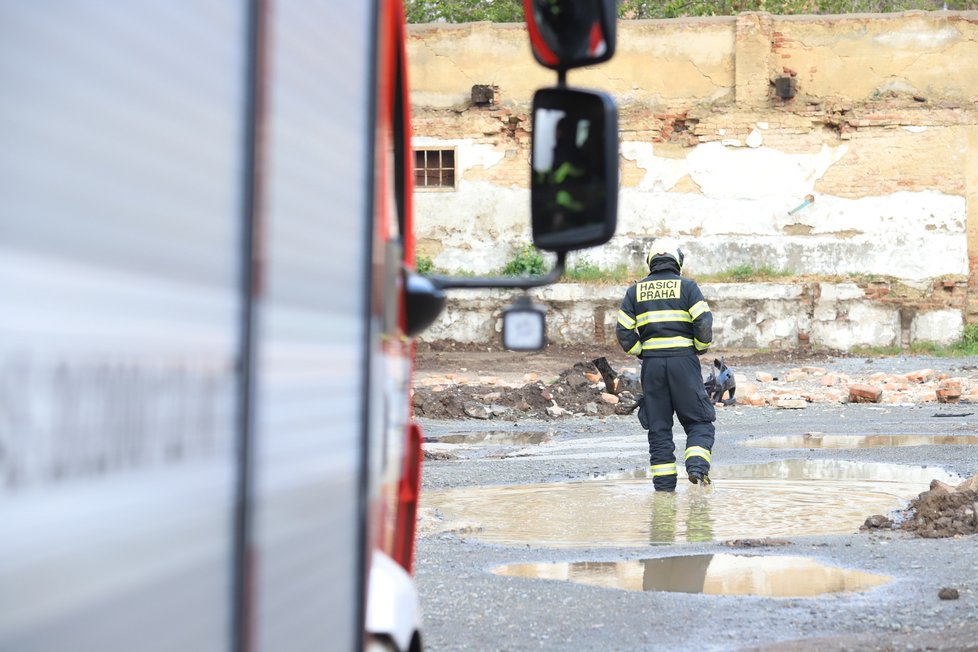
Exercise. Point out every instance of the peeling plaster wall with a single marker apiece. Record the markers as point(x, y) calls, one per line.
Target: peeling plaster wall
point(883, 133)
point(834, 316)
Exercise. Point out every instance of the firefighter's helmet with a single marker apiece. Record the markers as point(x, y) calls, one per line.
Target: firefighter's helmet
point(668, 248)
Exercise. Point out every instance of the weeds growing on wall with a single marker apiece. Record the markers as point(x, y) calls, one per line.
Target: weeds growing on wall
point(743, 274)
point(424, 265)
point(584, 270)
point(525, 261)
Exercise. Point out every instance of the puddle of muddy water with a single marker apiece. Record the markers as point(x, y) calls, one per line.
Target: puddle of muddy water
point(778, 499)
point(722, 574)
point(818, 440)
point(495, 438)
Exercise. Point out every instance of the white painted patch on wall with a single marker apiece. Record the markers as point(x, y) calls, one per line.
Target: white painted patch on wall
point(755, 139)
point(917, 39)
point(939, 326)
point(726, 173)
point(907, 235)
point(478, 225)
point(915, 129)
point(660, 173)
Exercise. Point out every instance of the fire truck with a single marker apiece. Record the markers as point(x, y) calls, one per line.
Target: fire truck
point(208, 300)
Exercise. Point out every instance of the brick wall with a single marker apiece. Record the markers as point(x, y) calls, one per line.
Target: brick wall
point(883, 132)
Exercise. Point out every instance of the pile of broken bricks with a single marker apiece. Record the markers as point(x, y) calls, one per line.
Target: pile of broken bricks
point(803, 385)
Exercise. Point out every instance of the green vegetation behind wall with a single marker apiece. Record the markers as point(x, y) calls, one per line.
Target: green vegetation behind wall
point(511, 11)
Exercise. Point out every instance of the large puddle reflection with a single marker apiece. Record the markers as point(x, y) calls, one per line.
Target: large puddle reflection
point(819, 440)
point(778, 499)
point(777, 577)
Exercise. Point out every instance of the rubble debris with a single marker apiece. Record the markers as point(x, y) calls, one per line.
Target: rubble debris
point(865, 394)
point(456, 395)
point(940, 512)
point(877, 522)
point(949, 391)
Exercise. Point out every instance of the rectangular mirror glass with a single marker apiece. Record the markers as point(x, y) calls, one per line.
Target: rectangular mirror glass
point(574, 178)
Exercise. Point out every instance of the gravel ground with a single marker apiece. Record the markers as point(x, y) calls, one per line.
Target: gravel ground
point(468, 608)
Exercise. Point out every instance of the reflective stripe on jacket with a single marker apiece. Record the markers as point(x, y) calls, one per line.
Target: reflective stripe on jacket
point(664, 314)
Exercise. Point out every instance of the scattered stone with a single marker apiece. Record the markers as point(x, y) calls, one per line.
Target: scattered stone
point(948, 594)
point(556, 411)
point(763, 377)
point(828, 380)
point(790, 403)
point(592, 377)
point(877, 522)
point(865, 394)
point(476, 410)
point(949, 391)
point(920, 376)
point(610, 399)
point(497, 411)
point(971, 484)
point(591, 408)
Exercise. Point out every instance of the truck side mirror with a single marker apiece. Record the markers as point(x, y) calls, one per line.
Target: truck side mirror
point(570, 33)
point(574, 169)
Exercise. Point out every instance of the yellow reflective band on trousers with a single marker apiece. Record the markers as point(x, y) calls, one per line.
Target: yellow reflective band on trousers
point(698, 309)
point(666, 343)
point(697, 451)
point(625, 320)
point(663, 469)
point(659, 316)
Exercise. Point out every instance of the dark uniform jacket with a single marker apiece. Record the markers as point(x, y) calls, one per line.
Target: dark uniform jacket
point(664, 315)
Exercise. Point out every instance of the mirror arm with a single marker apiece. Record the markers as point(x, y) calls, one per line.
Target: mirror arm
point(525, 282)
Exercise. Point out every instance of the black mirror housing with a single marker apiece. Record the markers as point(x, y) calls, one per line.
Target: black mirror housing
point(424, 301)
point(574, 169)
point(568, 34)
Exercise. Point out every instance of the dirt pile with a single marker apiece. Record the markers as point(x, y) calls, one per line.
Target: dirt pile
point(942, 511)
point(577, 390)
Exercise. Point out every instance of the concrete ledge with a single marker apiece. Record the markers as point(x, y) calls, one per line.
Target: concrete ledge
point(838, 316)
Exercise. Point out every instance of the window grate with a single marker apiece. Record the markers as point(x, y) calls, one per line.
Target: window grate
point(434, 168)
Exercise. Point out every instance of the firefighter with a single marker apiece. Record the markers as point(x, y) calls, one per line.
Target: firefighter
point(665, 320)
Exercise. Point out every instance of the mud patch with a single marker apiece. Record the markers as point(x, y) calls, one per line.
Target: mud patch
point(819, 440)
point(942, 511)
point(721, 574)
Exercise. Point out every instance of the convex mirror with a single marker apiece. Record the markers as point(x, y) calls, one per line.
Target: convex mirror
point(574, 169)
point(570, 33)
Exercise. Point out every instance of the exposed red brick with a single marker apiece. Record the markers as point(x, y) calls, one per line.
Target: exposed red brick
point(865, 394)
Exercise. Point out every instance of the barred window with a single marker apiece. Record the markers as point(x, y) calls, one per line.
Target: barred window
point(434, 168)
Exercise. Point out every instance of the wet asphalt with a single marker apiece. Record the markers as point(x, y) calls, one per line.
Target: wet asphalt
point(466, 607)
